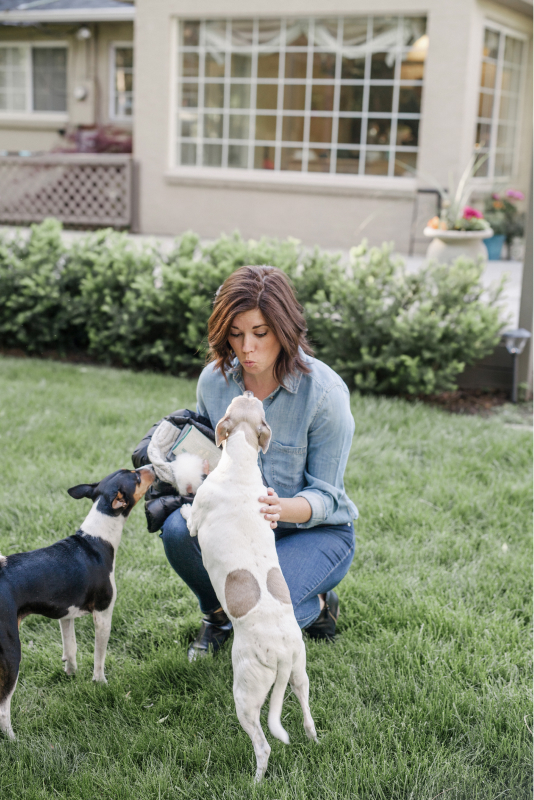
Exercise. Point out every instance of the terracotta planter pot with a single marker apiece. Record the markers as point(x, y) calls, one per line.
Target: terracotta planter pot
point(448, 245)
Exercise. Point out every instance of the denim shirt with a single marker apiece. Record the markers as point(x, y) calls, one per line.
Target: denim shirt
point(312, 430)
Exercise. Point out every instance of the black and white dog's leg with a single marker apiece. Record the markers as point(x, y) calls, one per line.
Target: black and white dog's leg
point(5, 713)
point(102, 620)
point(68, 637)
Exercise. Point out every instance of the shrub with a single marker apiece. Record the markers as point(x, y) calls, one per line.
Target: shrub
point(383, 329)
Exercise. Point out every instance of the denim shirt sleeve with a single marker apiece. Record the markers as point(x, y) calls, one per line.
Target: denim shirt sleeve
point(329, 441)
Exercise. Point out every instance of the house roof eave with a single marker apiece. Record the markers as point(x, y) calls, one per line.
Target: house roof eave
point(81, 15)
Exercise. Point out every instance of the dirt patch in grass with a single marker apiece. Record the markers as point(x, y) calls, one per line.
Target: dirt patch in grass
point(468, 401)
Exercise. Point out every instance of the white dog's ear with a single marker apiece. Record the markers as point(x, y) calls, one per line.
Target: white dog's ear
point(264, 435)
point(223, 429)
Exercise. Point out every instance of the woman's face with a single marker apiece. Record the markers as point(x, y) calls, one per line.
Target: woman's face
point(254, 343)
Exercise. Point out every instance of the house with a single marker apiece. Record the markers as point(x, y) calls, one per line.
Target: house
point(302, 118)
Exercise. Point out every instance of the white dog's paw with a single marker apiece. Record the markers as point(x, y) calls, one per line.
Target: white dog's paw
point(99, 677)
point(185, 510)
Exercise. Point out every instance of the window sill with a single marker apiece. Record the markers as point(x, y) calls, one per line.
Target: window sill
point(309, 183)
point(34, 120)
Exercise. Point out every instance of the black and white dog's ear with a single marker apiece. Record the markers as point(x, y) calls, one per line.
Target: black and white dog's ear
point(264, 435)
point(223, 429)
point(83, 490)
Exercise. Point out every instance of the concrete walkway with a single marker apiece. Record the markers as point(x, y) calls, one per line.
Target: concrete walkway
point(493, 270)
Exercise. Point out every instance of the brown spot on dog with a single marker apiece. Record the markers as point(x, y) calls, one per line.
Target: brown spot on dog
point(277, 586)
point(242, 592)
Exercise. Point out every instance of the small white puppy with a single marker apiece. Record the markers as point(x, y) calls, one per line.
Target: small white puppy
point(188, 471)
point(239, 553)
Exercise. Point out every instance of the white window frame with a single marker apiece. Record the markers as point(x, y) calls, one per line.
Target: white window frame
point(28, 112)
point(249, 173)
point(112, 67)
point(489, 24)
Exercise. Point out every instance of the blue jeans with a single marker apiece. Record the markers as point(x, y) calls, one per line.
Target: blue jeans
point(313, 561)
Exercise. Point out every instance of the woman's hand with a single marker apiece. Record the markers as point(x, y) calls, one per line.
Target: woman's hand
point(271, 508)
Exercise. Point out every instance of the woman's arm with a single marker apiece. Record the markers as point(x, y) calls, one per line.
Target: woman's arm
point(284, 509)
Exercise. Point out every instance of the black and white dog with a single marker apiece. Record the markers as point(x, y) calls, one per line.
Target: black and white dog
point(71, 578)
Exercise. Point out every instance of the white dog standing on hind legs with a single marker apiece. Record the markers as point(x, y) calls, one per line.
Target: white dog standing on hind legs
point(239, 554)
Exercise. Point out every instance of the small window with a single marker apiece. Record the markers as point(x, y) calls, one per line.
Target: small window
point(122, 81)
point(498, 114)
point(33, 78)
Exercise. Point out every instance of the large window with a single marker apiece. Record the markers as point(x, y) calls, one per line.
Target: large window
point(33, 78)
point(503, 70)
point(122, 81)
point(338, 95)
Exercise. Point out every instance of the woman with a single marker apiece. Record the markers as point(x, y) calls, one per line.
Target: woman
point(257, 341)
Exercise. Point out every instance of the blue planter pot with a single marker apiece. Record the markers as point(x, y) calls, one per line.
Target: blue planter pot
point(494, 246)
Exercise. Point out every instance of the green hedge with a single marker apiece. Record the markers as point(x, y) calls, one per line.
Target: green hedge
point(383, 329)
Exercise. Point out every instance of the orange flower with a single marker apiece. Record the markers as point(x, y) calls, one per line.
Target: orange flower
point(433, 223)
point(498, 204)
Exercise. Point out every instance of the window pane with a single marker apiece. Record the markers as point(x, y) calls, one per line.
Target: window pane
point(485, 105)
point(324, 65)
point(354, 31)
point(295, 98)
point(348, 161)
point(241, 65)
point(239, 126)
point(487, 78)
point(190, 34)
point(268, 65)
point(408, 132)
point(410, 99)
point(513, 50)
point(296, 64)
point(241, 32)
point(386, 27)
point(381, 98)
point(215, 65)
point(239, 95)
point(215, 35)
point(378, 131)
point(265, 127)
point(322, 98)
point(190, 95)
point(351, 98)
point(413, 28)
point(349, 131)
point(508, 107)
point(293, 129)
point(483, 170)
point(212, 155)
point(264, 157)
point(268, 32)
point(237, 156)
point(189, 125)
point(510, 79)
point(190, 65)
point(291, 159)
point(266, 95)
point(50, 78)
point(319, 160)
point(382, 66)
point(503, 164)
point(320, 129)
point(376, 162)
point(188, 154)
point(506, 136)
point(124, 57)
point(412, 69)
point(297, 33)
point(352, 69)
point(325, 33)
point(213, 126)
point(483, 134)
point(491, 44)
point(404, 160)
point(214, 95)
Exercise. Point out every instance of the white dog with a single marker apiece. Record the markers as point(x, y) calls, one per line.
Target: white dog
point(238, 551)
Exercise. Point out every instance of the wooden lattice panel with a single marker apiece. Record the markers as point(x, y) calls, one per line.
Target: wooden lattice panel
point(82, 190)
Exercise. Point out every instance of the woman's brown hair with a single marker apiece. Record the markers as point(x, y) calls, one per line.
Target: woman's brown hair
point(269, 290)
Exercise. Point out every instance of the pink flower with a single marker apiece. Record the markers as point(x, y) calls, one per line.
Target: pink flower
point(515, 195)
point(495, 196)
point(469, 213)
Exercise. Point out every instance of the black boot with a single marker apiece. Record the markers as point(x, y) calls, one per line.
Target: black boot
point(214, 631)
point(324, 626)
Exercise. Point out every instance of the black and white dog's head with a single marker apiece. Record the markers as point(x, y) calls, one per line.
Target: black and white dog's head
point(119, 492)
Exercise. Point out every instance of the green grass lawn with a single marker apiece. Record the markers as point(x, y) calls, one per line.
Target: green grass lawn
point(426, 693)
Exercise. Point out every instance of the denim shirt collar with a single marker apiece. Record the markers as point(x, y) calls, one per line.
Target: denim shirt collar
point(291, 381)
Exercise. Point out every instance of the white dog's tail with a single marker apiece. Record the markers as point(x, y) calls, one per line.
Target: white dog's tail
point(277, 700)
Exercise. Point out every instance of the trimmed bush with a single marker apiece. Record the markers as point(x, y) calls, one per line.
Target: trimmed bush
point(382, 329)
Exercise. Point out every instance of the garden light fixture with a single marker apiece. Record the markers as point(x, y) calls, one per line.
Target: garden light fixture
point(515, 342)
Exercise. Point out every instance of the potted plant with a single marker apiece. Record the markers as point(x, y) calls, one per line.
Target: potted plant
point(460, 229)
point(502, 213)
